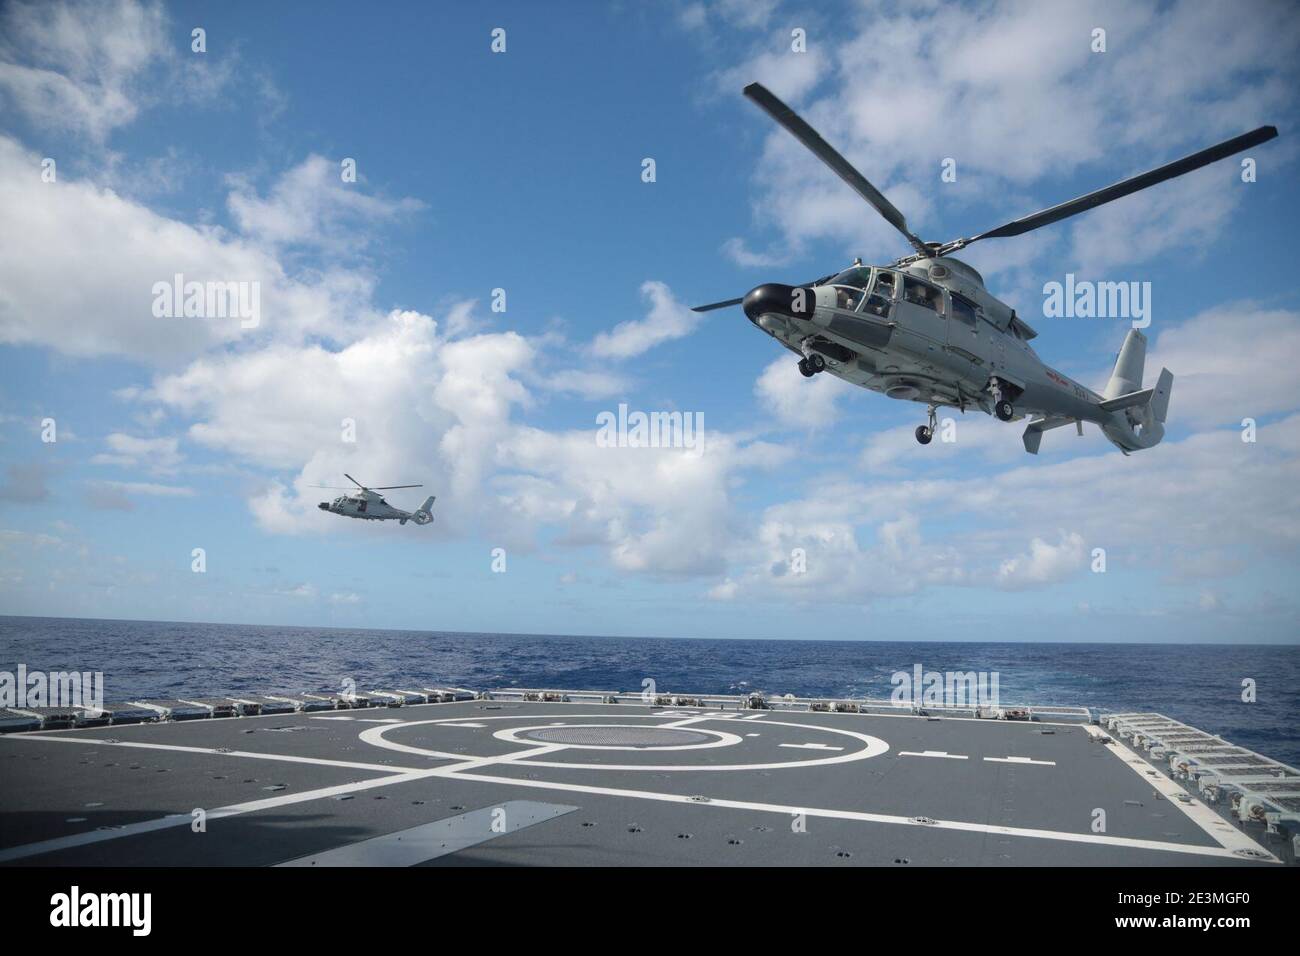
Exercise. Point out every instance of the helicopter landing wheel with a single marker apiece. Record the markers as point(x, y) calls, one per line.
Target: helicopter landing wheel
point(924, 434)
point(1004, 411)
point(811, 365)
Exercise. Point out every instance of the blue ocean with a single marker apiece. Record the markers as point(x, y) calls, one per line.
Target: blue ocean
point(1199, 684)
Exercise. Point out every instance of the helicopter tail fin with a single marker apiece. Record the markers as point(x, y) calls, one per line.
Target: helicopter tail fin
point(1127, 376)
point(424, 514)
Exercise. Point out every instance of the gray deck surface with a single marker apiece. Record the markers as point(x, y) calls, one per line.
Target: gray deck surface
point(407, 784)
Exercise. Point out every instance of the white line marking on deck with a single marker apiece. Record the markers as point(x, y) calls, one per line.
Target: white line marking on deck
point(473, 726)
point(932, 753)
point(786, 811)
point(254, 755)
point(429, 841)
point(753, 735)
point(689, 720)
point(184, 819)
point(1041, 763)
point(1218, 829)
point(394, 775)
point(810, 746)
point(753, 716)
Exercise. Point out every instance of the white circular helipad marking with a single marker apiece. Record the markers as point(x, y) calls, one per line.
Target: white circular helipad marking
point(723, 739)
point(872, 747)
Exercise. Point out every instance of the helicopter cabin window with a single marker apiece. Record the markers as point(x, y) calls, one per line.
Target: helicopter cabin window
point(923, 294)
point(361, 505)
point(964, 310)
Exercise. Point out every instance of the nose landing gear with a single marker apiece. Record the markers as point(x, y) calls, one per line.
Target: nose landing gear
point(925, 433)
point(811, 365)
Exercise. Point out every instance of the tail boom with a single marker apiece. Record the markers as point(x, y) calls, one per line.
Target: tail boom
point(1130, 416)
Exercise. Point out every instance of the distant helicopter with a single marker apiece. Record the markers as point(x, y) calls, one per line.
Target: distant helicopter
point(364, 503)
point(924, 329)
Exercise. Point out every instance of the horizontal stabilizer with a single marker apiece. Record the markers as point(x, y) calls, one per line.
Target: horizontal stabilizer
point(1128, 401)
point(1034, 431)
point(1157, 397)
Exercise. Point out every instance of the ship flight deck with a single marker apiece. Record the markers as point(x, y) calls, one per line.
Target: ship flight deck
point(538, 777)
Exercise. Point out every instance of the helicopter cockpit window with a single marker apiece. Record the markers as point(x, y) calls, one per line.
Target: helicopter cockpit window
point(847, 297)
point(859, 277)
point(882, 295)
point(361, 505)
point(922, 293)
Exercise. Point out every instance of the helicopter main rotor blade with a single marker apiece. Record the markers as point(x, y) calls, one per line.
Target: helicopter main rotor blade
point(1127, 187)
point(799, 128)
point(393, 487)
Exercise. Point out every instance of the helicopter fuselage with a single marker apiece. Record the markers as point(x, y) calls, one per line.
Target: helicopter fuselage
point(372, 507)
point(927, 330)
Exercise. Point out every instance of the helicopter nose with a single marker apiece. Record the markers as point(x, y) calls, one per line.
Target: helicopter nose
point(794, 301)
point(324, 506)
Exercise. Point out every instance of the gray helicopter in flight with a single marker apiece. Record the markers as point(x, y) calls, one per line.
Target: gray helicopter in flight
point(925, 329)
point(365, 503)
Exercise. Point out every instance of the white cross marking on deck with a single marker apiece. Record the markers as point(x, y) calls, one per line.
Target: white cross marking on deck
point(1041, 763)
point(473, 763)
point(812, 746)
point(932, 753)
point(690, 720)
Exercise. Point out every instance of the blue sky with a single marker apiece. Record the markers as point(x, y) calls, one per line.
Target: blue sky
point(522, 171)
